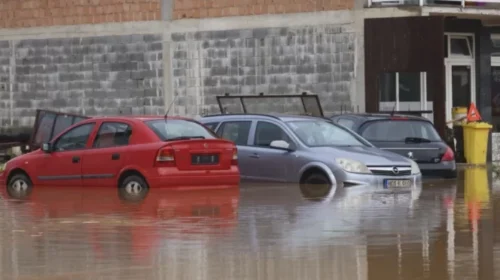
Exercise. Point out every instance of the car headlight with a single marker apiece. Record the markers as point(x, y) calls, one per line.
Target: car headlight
point(414, 168)
point(353, 166)
point(3, 166)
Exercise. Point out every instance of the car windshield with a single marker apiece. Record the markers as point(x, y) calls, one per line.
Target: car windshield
point(399, 131)
point(317, 133)
point(172, 129)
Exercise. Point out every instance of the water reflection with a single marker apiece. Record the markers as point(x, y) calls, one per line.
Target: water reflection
point(441, 231)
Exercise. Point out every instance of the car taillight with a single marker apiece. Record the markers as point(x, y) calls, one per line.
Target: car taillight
point(398, 118)
point(234, 160)
point(448, 155)
point(165, 157)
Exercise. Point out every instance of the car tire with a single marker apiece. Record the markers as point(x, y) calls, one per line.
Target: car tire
point(19, 186)
point(133, 189)
point(315, 186)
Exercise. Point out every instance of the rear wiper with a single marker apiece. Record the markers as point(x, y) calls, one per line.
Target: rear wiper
point(185, 138)
point(416, 140)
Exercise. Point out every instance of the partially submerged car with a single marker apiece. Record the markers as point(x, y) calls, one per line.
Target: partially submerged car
point(126, 152)
point(411, 136)
point(308, 149)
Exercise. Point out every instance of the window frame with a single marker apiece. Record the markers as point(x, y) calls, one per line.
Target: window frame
point(254, 138)
point(111, 122)
point(56, 141)
point(223, 124)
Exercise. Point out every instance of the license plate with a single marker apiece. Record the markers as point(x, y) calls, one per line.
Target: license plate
point(204, 159)
point(389, 183)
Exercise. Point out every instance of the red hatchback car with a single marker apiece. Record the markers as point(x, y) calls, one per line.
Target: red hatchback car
point(135, 153)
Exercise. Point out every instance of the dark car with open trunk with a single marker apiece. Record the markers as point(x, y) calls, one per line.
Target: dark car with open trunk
point(411, 136)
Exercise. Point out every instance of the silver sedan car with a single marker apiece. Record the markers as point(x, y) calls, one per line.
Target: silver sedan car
point(310, 150)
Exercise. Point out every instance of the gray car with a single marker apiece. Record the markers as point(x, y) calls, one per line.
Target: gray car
point(310, 150)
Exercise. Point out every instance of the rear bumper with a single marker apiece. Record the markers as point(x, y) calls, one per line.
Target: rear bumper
point(172, 177)
point(447, 169)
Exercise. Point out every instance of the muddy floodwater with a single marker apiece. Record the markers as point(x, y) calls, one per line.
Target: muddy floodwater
point(448, 229)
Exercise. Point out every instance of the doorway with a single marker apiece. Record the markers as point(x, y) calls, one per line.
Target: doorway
point(460, 72)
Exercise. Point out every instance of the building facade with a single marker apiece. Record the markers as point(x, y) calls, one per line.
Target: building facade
point(107, 57)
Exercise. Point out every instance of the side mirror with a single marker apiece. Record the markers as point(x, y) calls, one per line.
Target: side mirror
point(46, 147)
point(280, 144)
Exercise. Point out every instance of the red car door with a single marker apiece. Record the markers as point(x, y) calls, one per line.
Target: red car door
point(63, 165)
point(104, 160)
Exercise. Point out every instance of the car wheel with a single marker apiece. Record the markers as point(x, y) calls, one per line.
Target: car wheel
point(133, 188)
point(19, 186)
point(315, 186)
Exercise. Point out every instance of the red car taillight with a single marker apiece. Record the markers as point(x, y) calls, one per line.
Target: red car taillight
point(234, 160)
point(165, 157)
point(448, 155)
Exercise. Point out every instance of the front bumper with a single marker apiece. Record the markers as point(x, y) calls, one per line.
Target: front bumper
point(377, 181)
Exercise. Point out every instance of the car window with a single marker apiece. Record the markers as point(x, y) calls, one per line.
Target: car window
point(74, 139)
point(267, 132)
point(317, 133)
point(175, 129)
point(398, 130)
point(236, 131)
point(212, 126)
point(346, 122)
point(112, 134)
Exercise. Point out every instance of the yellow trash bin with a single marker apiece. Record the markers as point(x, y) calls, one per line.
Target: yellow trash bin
point(476, 142)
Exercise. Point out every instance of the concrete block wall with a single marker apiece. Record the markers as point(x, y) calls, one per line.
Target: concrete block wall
point(282, 60)
point(137, 64)
point(103, 75)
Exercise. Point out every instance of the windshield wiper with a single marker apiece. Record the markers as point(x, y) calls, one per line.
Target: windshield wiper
point(185, 138)
point(416, 140)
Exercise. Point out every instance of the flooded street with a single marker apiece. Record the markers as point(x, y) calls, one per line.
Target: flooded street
point(446, 230)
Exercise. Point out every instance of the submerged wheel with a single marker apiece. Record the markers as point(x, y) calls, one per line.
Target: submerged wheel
point(315, 186)
point(133, 188)
point(19, 186)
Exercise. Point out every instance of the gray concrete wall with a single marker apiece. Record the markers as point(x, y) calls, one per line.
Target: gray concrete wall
point(286, 60)
point(104, 75)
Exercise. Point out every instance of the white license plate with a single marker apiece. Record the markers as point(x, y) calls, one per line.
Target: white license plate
point(389, 183)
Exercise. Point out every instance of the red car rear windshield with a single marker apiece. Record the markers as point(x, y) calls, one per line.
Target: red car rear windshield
point(399, 130)
point(178, 129)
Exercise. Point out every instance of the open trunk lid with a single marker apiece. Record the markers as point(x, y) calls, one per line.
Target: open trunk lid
point(49, 124)
point(203, 154)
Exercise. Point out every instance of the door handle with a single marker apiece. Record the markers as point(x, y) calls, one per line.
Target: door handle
point(254, 155)
point(76, 159)
point(115, 156)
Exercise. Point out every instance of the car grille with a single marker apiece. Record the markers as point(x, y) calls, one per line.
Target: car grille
point(388, 170)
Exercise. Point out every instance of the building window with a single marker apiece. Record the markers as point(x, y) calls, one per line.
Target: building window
point(402, 87)
point(404, 91)
point(459, 46)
